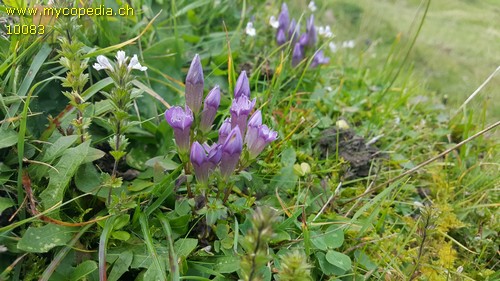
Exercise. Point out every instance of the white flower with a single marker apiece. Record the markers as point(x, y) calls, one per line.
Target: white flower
point(274, 22)
point(134, 64)
point(102, 63)
point(333, 47)
point(312, 6)
point(50, 3)
point(325, 31)
point(3, 249)
point(348, 44)
point(121, 58)
point(250, 30)
point(460, 269)
point(418, 204)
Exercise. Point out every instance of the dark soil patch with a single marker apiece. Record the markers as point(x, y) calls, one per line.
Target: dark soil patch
point(352, 148)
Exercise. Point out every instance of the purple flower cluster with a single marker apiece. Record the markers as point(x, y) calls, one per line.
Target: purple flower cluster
point(235, 133)
point(289, 31)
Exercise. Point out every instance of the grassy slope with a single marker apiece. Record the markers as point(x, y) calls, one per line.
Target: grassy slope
point(459, 45)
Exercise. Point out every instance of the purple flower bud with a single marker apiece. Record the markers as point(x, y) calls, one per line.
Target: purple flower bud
point(180, 120)
point(304, 39)
point(204, 159)
point(257, 143)
point(311, 31)
point(210, 107)
point(242, 86)
point(240, 109)
point(293, 32)
point(224, 130)
point(297, 54)
point(319, 58)
point(280, 37)
point(194, 85)
point(253, 127)
point(284, 18)
point(231, 151)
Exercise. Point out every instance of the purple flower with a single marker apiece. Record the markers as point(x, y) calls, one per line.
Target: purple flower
point(319, 58)
point(194, 85)
point(260, 138)
point(210, 107)
point(304, 39)
point(280, 37)
point(231, 151)
point(224, 130)
point(242, 86)
point(240, 109)
point(253, 127)
point(204, 159)
point(180, 120)
point(297, 54)
point(311, 31)
point(284, 18)
point(293, 31)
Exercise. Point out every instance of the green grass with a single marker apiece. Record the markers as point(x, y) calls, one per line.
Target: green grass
point(425, 209)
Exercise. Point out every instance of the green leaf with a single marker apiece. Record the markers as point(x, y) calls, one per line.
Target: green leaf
point(121, 235)
point(121, 265)
point(166, 164)
point(227, 264)
point(83, 269)
point(42, 239)
point(59, 181)
point(93, 154)
point(8, 137)
point(184, 246)
point(339, 260)
point(52, 151)
point(334, 237)
point(5, 203)
point(326, 267)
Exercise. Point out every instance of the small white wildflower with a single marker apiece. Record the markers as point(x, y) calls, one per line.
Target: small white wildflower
point(274, 22)
point(121, 58)
point(3, 249)
point(325, 31)
point(348, 44)
point(250, 30)
point(50, 3)
point(102, 63)
point(134, 64)
point(460, 269)
point(312, 6)
point(329, 89)
point(333, 47)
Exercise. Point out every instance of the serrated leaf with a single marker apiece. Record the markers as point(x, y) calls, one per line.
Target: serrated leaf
point(339, 260)
point(83, 269)
point(184, 246)
point(8, 137)
point(60, 179)
point(42, 239)
point(121, 265)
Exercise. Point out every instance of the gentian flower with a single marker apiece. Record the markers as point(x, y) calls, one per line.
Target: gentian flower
point(180, 120)
point(293, 32)
point(261, 137)
point(284, 17)
point(297, 54)
point(224, 130)
point(311, 31)
point(240, 109)
point(231, 151)
point(210, 107)
point(280, 37)
point(242, 87)
point(319, 58)
point(194, 85)
point(253, 127)
point(204, 159)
